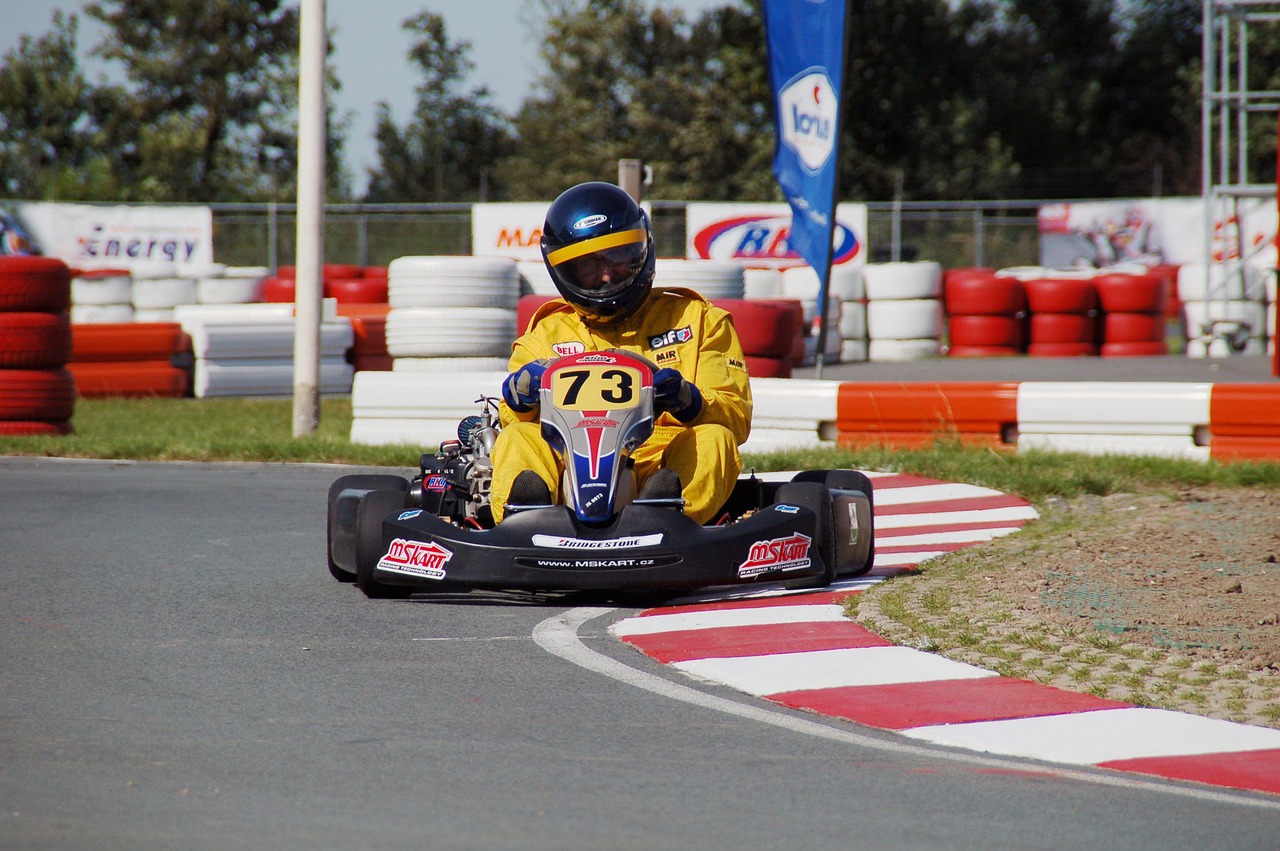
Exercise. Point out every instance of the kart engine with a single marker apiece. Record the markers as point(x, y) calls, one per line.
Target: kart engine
point(456, 479)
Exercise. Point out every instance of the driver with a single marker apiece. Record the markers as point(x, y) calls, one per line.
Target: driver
point(598, 247)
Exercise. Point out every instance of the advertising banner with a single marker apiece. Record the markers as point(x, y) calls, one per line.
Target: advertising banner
point(86, 236)
point(508, 230)
point(1155, 230)
point(806, 41)
point(759, 235)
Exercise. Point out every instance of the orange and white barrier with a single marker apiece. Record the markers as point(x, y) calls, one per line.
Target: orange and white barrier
point(1197, 420)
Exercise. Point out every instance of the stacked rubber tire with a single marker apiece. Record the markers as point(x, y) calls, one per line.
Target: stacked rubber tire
point(131, 360)
point(451, 314)
point(904, 310)
point(1064, 314)
point(37, 392)
point(1134, 305)
point(987, 313)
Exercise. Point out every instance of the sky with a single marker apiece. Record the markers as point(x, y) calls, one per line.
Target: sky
point(371, 53)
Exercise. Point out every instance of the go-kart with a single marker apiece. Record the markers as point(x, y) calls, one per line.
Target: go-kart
point(394, 536)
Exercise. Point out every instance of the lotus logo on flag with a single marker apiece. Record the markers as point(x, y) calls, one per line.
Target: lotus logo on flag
point(808, 110)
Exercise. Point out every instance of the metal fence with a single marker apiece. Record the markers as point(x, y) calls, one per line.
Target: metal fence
point(958, 234)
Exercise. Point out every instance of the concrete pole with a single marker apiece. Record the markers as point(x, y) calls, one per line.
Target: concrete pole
point(631, 178)
point(310, 259)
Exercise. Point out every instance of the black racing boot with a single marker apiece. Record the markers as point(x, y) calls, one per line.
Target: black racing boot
point(529, 490)
point(663, 490)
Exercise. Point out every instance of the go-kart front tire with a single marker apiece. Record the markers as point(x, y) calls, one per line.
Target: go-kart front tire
point(373, 508)
point(815, 497)
point(341, 530)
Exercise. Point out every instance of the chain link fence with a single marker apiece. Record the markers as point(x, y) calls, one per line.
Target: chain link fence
point(959, 234)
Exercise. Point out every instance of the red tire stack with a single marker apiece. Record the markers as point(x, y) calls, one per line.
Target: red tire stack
point(987, 313)
point(131, 360)
point(1064, 311)
point(768, 331)
point(37, 392)
point(1133, 313)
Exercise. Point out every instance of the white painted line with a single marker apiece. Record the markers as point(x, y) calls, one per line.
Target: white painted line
point(931, 493)
point(1089, 738)
point(651, 624)
point(942, 518)
point(862, 666)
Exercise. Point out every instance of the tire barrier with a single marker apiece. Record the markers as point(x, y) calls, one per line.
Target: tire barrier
point(247, 350)
point(37, 393)
point(987, 313)
point(1134, 308)
point(369, 335)
point(131, 359)
point(845, 293)
point(905, 316)
point(1063, 315)
point(713, 279)
point(1244, 422)
point(457, 309)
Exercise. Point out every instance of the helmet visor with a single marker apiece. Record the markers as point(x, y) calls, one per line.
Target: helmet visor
point(604, 265)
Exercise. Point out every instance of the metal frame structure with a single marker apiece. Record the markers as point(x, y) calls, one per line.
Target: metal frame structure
point(1227, 105)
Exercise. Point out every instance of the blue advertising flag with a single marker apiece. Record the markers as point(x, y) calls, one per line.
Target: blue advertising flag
point(806, 46)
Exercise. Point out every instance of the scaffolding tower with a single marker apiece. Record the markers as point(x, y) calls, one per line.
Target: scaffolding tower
point(1227, 107)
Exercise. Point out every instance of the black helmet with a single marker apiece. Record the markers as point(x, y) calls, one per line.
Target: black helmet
point(598, 247)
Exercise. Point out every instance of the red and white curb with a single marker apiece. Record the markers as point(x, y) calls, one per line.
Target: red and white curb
point(800, 651)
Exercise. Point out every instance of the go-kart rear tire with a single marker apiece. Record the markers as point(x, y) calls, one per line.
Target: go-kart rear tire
point(373, 508)
point(815, 497)
point(851, 480)
point(343, 523)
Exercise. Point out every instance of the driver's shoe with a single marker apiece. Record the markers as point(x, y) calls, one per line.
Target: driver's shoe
point(662, 488)
point(529, 490)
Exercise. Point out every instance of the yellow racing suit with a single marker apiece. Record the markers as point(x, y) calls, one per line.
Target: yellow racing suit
point(675, 328)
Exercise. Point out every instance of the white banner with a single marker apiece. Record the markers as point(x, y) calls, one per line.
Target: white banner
point(1155, 230)
point(508, 230)
point(85, 236)
point(756, 234)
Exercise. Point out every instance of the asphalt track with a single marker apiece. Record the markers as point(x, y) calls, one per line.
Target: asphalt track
point(181, 672)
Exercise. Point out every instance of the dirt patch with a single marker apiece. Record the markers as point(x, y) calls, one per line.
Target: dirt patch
point(1170, 601)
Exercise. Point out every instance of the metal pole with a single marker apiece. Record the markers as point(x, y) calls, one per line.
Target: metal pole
point(310, 260)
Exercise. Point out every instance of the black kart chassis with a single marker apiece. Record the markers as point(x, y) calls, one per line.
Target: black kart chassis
point(689, 555)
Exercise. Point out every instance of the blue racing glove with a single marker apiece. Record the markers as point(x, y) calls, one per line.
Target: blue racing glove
point(672, 393)
point(520, 389)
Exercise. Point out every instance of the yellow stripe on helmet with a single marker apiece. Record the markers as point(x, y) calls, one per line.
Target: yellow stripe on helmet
point(599, 243)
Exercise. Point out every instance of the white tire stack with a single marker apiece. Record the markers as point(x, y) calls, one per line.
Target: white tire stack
point(846, 310)
point(102, 297)
point(219, 284)
point(247, 349)
point(713, 279)
point(460, 310)
point(1225, 303)
point(158, 288)
point(904, 310)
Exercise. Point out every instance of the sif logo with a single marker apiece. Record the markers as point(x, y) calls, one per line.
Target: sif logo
point(807, 110)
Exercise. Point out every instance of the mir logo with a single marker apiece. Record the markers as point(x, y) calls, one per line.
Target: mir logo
point(810, 106)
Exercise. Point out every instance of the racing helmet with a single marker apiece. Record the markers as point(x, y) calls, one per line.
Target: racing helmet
point(598, 248)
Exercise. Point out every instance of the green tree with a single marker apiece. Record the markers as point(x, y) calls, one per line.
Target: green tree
point(52, 121)
point(448, 149)
point(623, 81)
point(211, 107)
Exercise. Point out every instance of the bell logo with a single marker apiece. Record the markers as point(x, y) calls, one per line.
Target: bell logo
point(807, 109)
